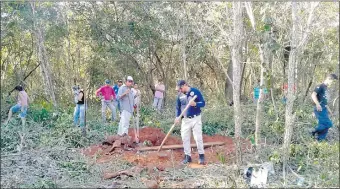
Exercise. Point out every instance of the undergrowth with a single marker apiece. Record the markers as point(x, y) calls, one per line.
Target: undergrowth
point(46, 153)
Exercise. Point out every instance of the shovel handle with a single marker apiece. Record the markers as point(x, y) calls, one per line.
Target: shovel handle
point(173, 126)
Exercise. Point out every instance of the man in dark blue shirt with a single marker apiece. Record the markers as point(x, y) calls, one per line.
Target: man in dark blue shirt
point(321, 108)
point(191, 119)
point(116, 88)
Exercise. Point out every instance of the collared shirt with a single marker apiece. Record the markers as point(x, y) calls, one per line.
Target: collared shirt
point(107, 92)
point(192, 110)
point(126, 102)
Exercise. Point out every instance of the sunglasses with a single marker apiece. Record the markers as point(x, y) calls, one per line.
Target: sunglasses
point(130, 81)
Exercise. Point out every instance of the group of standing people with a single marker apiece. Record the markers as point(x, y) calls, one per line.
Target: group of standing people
point(124, 97)
point(127, 98)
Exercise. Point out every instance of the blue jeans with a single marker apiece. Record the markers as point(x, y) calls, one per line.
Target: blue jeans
point(79, 112)
point(157, 103)
point(17, 108)
point(117, 104)
point(109, 104)
point(324, 123)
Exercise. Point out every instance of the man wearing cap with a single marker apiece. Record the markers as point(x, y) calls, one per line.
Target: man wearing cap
point(126, 100)
point(108, 96)
point(191, 120)
point(116, 88)
point(321, 109)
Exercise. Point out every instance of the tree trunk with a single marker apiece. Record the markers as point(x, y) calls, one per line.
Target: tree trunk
point(298, 44)
point(228, 87)
point(290, 95)
point(43, 59)
point(184, 56)
point(237, 62)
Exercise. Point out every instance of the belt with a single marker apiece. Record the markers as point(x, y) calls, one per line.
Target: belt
point(190, 117)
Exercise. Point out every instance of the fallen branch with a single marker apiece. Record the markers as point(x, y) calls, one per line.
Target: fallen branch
point(129, 172)
point(179, 146)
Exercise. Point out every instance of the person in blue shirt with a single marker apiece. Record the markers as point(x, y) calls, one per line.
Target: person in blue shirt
point(191, 120)
point(256, 92)
point(116, 88)
point(321, 109)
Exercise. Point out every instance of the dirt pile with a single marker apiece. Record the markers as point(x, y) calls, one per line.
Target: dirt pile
point(124, 147)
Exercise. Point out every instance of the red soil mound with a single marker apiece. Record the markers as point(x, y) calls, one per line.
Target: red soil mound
point(169, 158)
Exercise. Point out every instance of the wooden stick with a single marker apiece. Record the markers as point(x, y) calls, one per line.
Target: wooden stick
point(173, 126)
point(180, 146)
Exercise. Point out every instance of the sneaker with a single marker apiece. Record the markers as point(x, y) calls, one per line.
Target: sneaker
point(187, 159)
point(201, 159)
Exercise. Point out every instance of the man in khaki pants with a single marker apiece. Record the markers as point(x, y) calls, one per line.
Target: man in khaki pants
point(191, 119)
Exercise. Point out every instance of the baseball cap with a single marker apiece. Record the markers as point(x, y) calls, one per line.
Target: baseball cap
point(107, 81)
point(129, 78)
point(119, 81)
point(181, 82)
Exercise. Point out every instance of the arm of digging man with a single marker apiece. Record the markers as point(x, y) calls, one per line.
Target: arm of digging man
point(315, 99)
point(199, 101)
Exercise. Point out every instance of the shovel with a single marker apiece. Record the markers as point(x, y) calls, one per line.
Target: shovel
point(173, 126)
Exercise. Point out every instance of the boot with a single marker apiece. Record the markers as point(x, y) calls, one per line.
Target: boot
point(201, 159)
point(187, 159)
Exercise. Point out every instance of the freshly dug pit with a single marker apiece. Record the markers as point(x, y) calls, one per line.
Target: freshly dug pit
point(165, 158)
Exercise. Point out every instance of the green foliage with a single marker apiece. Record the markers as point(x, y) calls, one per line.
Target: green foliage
point(217, 121)
point(42, 183)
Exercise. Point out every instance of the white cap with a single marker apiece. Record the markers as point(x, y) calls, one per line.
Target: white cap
point(129, 78)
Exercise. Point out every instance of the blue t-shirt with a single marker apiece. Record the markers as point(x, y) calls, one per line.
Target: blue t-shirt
point(115, 88)
point(192, 110)
point(257, 92)
point(322, 94)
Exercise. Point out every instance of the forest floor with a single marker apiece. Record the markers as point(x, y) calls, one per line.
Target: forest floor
point(51, 153)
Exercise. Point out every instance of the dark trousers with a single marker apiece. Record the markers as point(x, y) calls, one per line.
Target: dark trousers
point(324, 123)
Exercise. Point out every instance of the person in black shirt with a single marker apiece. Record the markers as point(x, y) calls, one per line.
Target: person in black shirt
point(79, 110)
point(321, 109)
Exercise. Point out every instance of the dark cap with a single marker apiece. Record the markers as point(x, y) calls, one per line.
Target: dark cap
point(107, 81)
point(120, 81)
point(333, 76)
point(181, 83)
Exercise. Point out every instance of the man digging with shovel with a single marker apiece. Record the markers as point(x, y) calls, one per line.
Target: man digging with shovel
point(191, 119)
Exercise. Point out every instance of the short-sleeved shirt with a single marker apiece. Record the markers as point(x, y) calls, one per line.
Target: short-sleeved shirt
point(107, 92)
point(159, 94)
point(322, 94)
point(126, 102)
